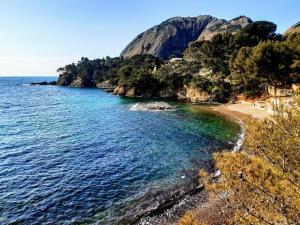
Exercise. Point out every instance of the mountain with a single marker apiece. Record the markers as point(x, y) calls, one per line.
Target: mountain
point(222, 26)
point(173, 36)
point(293, 29)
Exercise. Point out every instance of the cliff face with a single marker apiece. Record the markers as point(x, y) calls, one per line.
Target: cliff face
point(169, 38)
point(293, 29)
point(173, 36)
point(221, 26)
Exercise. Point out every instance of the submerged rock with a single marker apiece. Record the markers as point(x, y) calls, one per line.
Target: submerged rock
point(152, 106)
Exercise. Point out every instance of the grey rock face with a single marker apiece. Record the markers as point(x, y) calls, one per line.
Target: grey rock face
point(221, 26)
point(169, 38)
point(173, 36)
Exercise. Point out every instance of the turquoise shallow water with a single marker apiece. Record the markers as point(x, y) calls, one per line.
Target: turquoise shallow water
point(70, 155)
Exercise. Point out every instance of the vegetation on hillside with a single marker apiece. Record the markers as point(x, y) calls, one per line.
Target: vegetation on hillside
point(241, 63)
point(89, 71)
point(260, 184)
point(251, 58)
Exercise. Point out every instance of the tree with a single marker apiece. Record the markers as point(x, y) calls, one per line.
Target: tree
point(293, 42)
point(261, 184)
point(214, 54)
point(268, 62)
point(254, 33)
point(85, 72)
point(217, 52)
point(67, 74)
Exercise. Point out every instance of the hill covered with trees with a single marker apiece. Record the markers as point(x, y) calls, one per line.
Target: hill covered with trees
point(219, 69)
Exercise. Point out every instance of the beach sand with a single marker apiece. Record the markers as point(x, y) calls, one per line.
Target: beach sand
point(242, 111)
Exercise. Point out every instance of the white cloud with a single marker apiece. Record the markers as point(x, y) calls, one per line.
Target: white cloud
point(31, 66)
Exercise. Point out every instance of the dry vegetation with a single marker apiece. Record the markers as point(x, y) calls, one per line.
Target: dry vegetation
point(260, 184)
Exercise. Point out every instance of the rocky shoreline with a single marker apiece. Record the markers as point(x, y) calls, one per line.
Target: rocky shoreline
point(44, 83)
point(195, 198)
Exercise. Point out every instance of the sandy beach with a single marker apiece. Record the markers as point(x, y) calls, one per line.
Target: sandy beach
point(242, 111)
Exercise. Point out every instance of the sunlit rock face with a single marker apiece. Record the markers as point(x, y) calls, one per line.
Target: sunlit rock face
point(173, 36)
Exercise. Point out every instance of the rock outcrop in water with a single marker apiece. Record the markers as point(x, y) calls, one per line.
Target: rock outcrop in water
point(44, 83)
point(173, 36)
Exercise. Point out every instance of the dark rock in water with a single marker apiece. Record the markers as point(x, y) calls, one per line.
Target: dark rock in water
point(44, 83)
point(173, 36)
point(158, 202)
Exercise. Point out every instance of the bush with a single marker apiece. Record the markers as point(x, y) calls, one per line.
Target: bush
point(189, 219)
point(261, 184)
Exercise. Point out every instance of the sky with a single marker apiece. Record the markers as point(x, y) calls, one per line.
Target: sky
point(39, 36)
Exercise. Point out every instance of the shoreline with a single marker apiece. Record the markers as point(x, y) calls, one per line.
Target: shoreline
point(199, 201)
point(241, 111)
point(171, 209)
point(197, 198)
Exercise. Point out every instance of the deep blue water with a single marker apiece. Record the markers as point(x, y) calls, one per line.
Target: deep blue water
point(70, 155)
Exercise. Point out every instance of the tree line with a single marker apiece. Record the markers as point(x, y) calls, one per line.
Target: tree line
point(240, 63)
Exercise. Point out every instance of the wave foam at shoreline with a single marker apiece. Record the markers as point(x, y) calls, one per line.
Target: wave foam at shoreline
point(152, 106)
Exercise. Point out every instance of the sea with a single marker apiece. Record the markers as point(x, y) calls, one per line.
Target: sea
point(83, 156)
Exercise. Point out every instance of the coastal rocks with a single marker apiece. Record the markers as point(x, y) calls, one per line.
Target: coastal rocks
point(78, 82)
point(130, 92)
point(189, 94)
point(152, 106)
point(63, 80)
point(173, 36)
point(44, 83)
point(119, 91)
point(106, 85)
point(195, 95)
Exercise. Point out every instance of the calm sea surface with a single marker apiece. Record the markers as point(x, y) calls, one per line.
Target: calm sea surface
point(72, 156)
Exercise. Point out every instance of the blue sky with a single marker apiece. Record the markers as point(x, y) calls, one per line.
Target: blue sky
point(38, 36)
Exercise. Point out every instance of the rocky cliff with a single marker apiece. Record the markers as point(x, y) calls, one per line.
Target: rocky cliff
point(221, 26)
point(173, 36)
point(293, 29)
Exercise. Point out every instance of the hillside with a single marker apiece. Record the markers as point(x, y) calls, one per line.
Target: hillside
point(173, 36)
point(293, 29)
point(243, 61)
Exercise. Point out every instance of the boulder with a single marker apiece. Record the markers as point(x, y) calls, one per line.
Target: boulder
point(119, 91)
